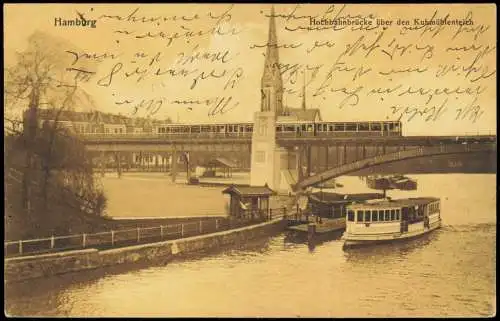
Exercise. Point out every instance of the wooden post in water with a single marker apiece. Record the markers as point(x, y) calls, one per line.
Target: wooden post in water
point(201, 225)
point(138, 234)
point(161, 232)
point(112, 238)
point(182, 230)
point(216, 224)
point(84, 240)
point(52, 242)
point(20, 247)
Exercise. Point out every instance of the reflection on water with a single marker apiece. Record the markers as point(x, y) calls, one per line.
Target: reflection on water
point(449, 272)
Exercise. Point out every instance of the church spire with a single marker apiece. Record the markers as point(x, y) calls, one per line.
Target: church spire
point(272, 84)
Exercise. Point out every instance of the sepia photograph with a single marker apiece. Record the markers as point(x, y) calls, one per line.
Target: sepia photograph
point(250, 160)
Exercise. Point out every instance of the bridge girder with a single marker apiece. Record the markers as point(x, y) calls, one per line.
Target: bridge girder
point(422, 151)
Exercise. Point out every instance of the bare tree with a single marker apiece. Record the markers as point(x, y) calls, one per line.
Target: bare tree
point(39, 79)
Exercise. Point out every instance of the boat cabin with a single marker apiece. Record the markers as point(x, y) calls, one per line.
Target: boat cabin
point(410, 210)
point(248, 201)
point(333, 205)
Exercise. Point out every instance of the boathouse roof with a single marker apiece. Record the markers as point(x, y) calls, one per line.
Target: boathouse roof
point(222, 162)
point(249, 190)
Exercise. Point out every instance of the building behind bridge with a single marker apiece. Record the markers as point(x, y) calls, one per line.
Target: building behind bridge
point(96, 122)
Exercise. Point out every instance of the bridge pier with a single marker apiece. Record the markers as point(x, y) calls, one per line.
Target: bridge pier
point(270, 163)
point(299, 165)
point(119, 164)
point(327, 152)
point(102, 159)
point(130, 160)
point(173, 166)
point(141, 160)
point(344, 155)
point(188, 167)
point(164, 162)
point(309, 160)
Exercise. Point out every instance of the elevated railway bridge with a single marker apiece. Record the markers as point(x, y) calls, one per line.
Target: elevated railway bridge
point(325, 150)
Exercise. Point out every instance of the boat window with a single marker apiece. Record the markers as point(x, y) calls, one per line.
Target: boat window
point(375, 216)
point(360, 216)
point(367, 216)
point(387, 215)
point(350, 216)
point(393, 215)
point(398, 214)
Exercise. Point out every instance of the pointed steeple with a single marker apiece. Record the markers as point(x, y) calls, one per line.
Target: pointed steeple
point(272, 40)
point(272, 84)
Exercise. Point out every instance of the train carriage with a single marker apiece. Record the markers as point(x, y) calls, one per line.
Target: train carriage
point(290, 129)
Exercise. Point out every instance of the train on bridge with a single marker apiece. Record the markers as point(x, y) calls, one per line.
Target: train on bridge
point(286, 129)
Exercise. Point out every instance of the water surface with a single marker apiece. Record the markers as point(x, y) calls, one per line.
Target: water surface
point(449, 272)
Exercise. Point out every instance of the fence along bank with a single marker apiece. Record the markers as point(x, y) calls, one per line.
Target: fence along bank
point(44, 265)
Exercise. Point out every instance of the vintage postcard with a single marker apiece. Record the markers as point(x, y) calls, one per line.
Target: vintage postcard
point(250, 160)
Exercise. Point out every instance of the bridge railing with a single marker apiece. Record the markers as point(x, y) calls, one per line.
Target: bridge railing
point(139, 235)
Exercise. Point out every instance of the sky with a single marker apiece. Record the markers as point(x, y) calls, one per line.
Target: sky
point(438, 80)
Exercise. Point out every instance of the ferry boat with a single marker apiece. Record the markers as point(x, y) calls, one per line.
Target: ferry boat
point(389, 220)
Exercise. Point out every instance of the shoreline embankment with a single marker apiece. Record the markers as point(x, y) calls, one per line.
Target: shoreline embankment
point(46, 265)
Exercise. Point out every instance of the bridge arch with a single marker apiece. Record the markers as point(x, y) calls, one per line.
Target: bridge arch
point(423, 151)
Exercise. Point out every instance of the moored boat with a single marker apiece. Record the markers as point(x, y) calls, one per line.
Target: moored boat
point(403, 183)
point(380, 183)
point(390, 220)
